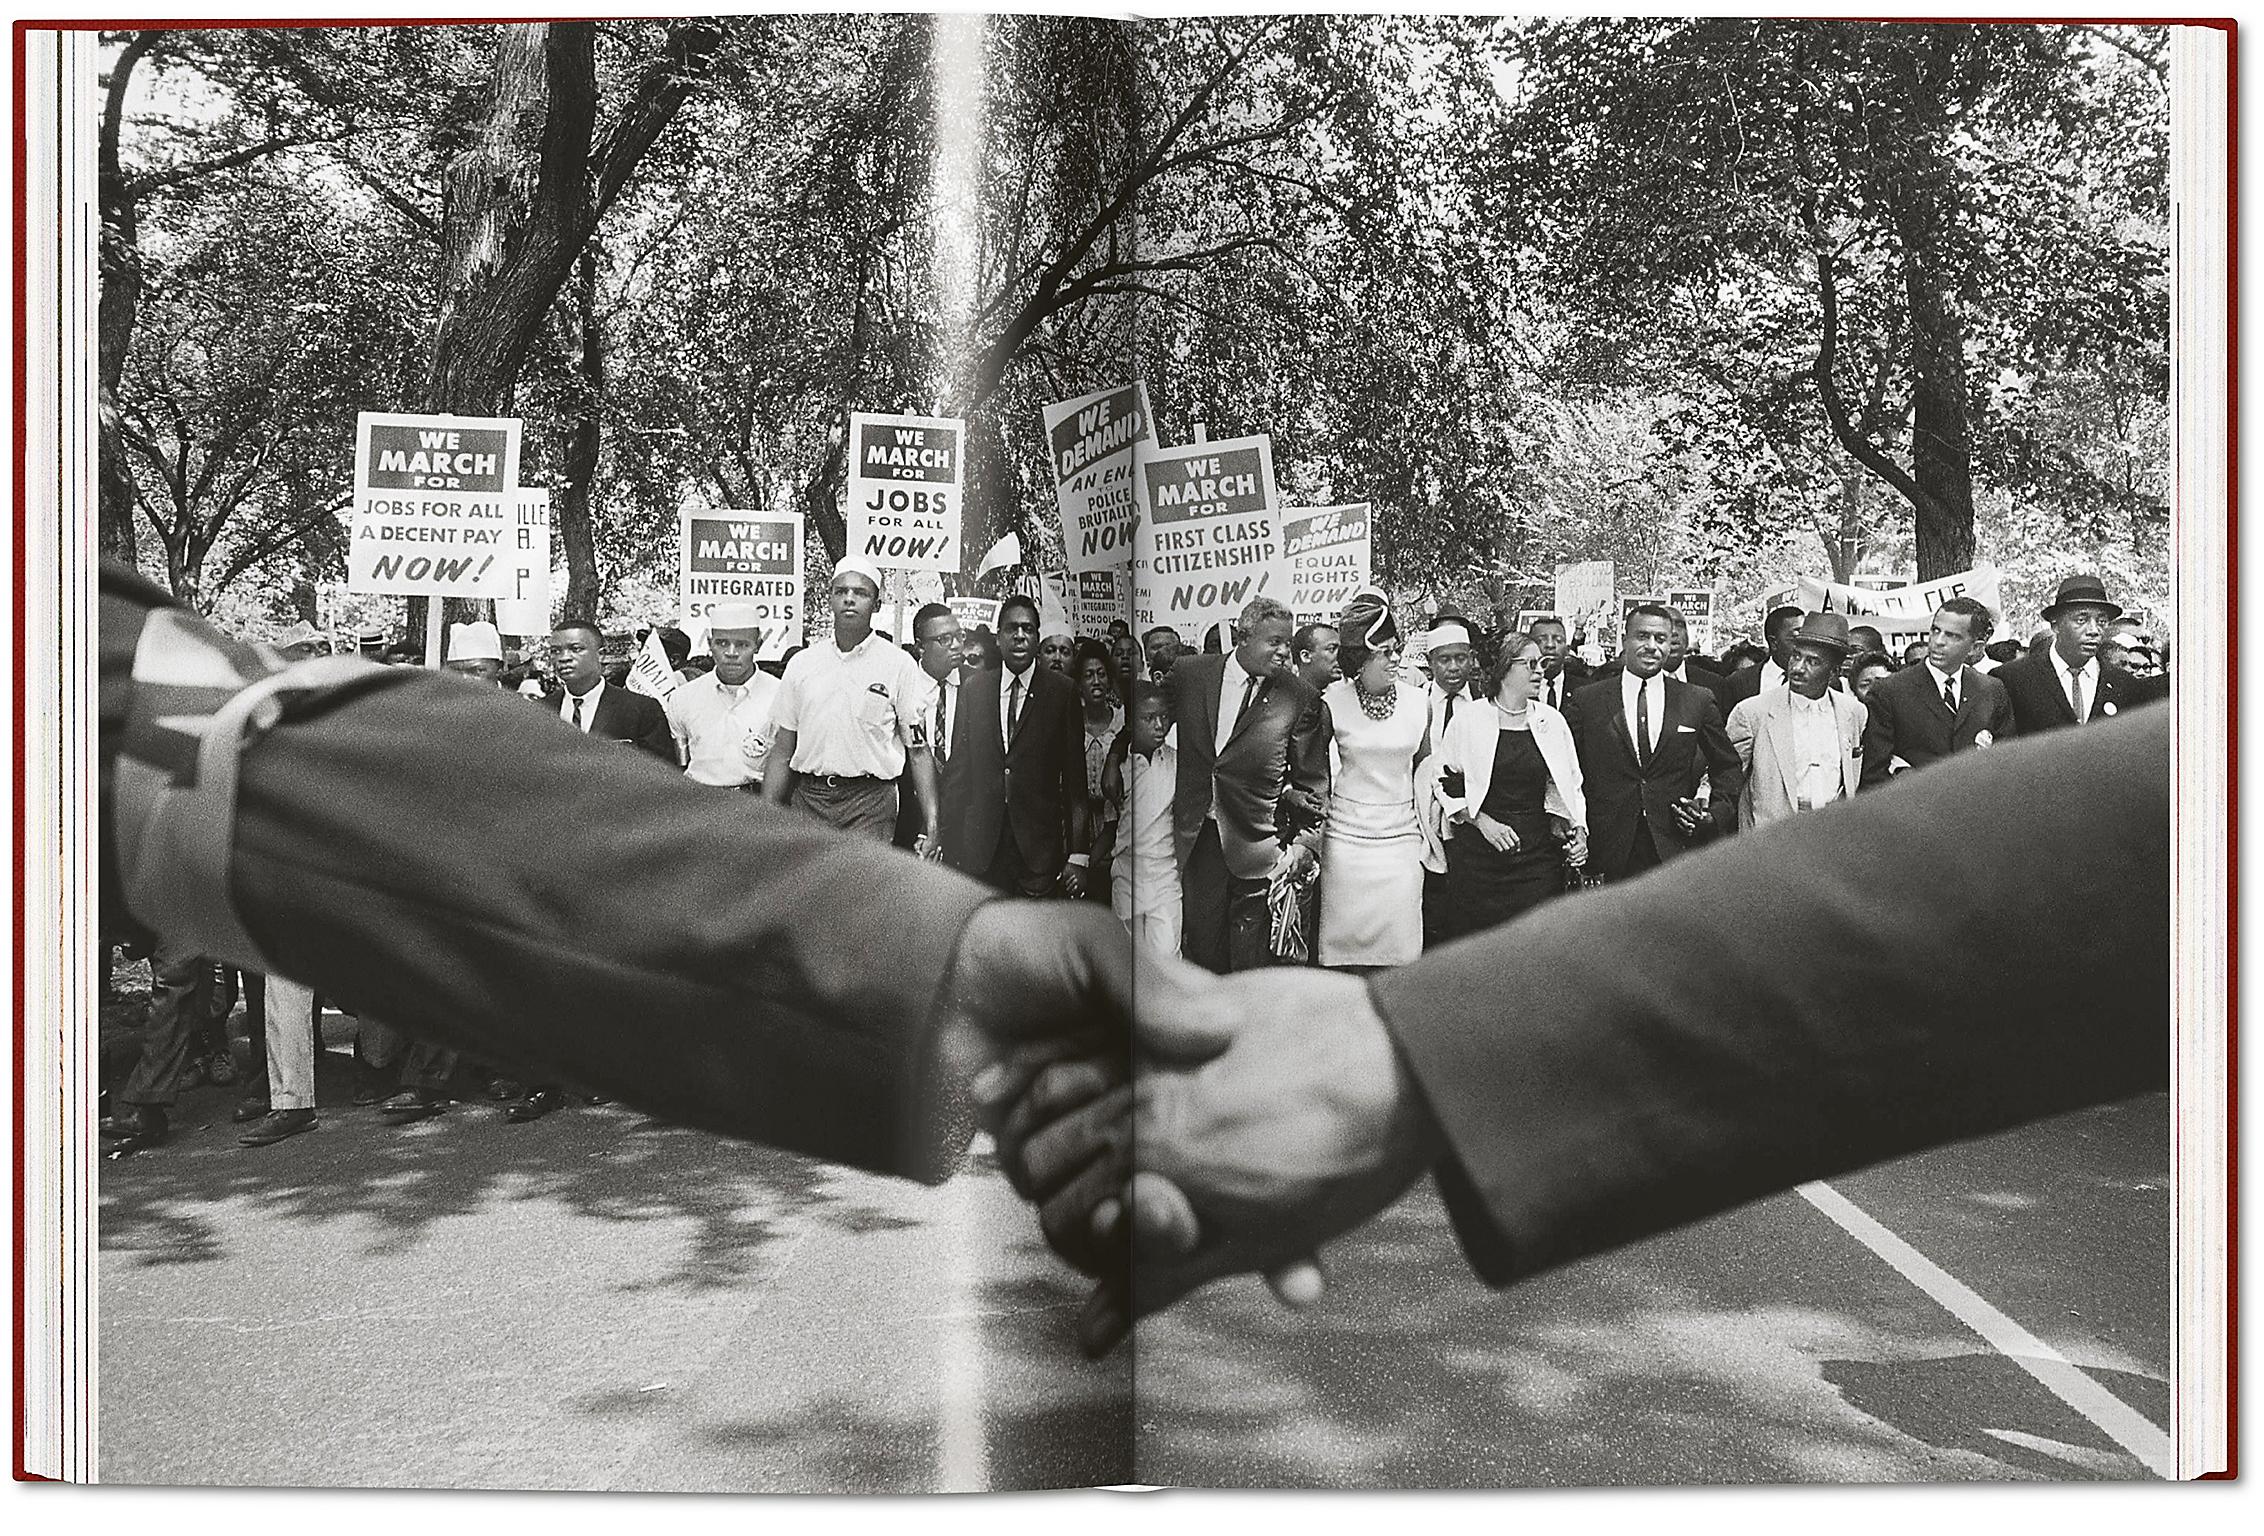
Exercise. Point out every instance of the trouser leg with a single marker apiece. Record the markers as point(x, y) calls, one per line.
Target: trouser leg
point(290, 1044)
point(180, 987)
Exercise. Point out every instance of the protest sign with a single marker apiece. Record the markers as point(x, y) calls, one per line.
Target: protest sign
point(1207, 539)
point(1903, 614)
point(751, 557)
point(975, 612)
point(527, 610)
point(1053, 604)
point(1092, 441)
point(1325, 554)
point(1696, 605)
point(1096, 598)
point(1584, 595)
point(432, 505)
point(905, 478)
point(649, 673)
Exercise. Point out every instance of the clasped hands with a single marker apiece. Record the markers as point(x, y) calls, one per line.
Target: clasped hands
point(1268, 1112)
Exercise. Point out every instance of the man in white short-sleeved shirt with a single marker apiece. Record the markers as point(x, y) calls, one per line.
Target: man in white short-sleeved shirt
point(850, 720)
point(722, 721)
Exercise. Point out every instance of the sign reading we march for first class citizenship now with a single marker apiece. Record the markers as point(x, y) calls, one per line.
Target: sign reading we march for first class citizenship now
point(748, 557)
point(1092, 440)
point(433, 502)
point(905, 478)
point(1207, 539)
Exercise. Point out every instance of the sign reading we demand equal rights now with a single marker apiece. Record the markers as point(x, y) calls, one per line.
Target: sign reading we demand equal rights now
point(433, 507)
point(906, 476)
point(1207, 540)
point(748, 557)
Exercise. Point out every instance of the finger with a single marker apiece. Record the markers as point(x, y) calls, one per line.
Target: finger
point(1066, 1219)
point(1179, 1014)
point(1007, 1078)
point(1299, 1283)
point(1108, 1221)
point(1056, 1090)
point(1063, 1149)
point(1104, 1322)
point(1164, 1225)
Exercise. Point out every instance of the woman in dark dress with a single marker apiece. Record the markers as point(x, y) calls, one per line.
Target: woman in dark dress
point(1510, 787)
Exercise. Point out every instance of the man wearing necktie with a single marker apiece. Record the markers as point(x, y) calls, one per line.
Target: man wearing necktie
point(1015, 814)
point(1942, 705)
point(2067, 683)
point(1645, 742)
point(1253, 782)
point(584, 700)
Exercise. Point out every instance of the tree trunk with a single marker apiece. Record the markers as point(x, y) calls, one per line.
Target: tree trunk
point(572, 510)
point(1941, 439)
point(117, 310)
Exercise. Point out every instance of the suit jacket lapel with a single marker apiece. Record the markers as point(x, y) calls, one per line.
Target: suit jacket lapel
point(1257, 703)
point(1626, 739)
point(1784, 742)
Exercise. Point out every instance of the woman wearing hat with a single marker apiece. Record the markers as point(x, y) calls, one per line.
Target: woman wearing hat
point(1504, 799)
point(1372, 849)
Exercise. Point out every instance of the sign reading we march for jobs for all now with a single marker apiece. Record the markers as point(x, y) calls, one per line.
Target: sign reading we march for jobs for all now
point(1207, 539)
point(433, 499)
point(906, 474)
point(1092, 441)
point(748, 557)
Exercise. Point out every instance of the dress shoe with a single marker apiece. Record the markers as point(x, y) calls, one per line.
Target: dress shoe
point(504, 1089)
point(412, 1104)
point(279, 1126)
point(138, 1134)
point(249, 1110)
point(535, 1105)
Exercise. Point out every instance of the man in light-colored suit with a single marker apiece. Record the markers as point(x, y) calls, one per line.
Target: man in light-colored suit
point(1802, 744)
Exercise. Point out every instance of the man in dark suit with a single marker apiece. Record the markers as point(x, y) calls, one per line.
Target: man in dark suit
point(1252, 788)
point(584, 700)
point(1943, 705)
point(1013, 776)
point(1561, 671)
point(1645, 742)
point(1595, 1072)
point(2066, 683)
point(1777, 629)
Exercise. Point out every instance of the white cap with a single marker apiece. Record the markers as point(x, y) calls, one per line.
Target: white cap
point(734, 618)
point(857, 565)
point(1449, 632)
point(476, 641)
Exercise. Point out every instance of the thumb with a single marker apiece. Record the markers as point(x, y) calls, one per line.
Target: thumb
point(1299, 1283)
point(1178, 1014)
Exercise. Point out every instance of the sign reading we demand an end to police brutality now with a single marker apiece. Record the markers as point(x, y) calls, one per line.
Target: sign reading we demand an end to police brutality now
point(1092, 441)
point(433, 505)
point(906, 474)
point(1208, 538)
point(747, 557)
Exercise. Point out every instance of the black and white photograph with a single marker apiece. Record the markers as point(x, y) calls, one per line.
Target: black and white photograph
point(888, 753)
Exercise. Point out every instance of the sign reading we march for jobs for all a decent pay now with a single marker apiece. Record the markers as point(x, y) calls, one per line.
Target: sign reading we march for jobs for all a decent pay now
point(748, 557)
point(433, 502)
point(905, 478)
point(1208, 538)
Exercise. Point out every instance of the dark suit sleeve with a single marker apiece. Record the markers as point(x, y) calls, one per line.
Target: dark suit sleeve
point(1069, 751)
point(455, 864)
point(1725, 772)
point(1631, 1060)
point(1308, 777)
point(653, 734)
point(1879, 737)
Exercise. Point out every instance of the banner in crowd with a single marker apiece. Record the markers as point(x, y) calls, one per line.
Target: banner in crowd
point(1903, 614)
point(1629, 601)
point(649, 672)
point(1696, 605)
point(527, 610)
point(1053, 604)
point(1584, 595)
point(749, 557)
point(1093, 440)
point(1208, 535)
point(1098, 598)
point(1325, 556)
point(975, 612)
point(905, 480)
point(432, 505)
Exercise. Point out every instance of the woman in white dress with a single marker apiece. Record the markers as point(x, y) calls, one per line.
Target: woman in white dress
point(1372, 850)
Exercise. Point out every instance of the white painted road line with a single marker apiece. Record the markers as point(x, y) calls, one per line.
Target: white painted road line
point(2125, 1425)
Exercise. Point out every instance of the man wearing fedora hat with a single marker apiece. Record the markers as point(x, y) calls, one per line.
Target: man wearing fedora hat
point(2066, 683)
point(1801, 744)
point(1940, 704)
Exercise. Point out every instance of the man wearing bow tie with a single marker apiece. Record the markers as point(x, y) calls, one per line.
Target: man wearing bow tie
point(1253, 786)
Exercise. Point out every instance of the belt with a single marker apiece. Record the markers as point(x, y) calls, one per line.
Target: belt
point(844, 780)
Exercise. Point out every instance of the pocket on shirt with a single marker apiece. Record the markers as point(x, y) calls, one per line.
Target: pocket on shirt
point(877, 710)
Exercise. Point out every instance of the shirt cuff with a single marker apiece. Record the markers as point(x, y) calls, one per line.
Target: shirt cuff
point(1081, 860)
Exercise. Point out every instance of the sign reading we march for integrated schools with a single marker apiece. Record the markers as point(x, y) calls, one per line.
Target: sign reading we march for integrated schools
point(750, 557)
point(1207, 540)
point(1092, 441)
point(906, 474)
point(433, 504)
point(1325, 557)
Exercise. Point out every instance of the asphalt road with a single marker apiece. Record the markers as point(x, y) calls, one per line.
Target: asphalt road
point(601, 1301)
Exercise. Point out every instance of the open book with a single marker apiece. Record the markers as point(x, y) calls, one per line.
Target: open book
point(1338, 498)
